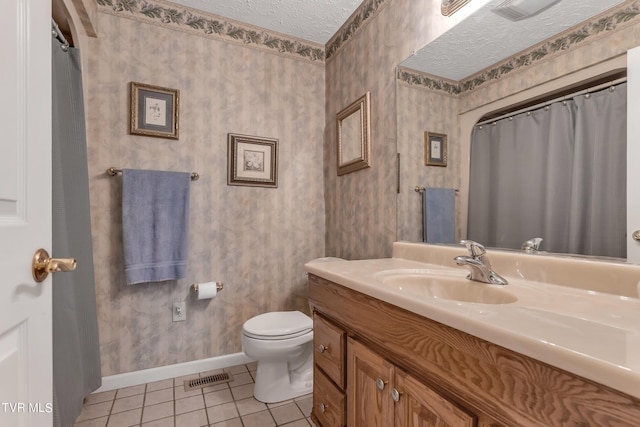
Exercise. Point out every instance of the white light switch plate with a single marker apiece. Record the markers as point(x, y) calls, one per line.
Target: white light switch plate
point(179, 311)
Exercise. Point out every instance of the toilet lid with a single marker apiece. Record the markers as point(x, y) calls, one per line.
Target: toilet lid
point(281, 324)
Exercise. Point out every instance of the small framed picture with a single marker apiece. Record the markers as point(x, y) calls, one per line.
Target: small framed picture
point(154, 111)
point(252, 161)
point(435, 149)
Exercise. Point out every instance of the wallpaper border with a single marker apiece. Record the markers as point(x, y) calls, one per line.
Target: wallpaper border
point(427, 81)
point(365, 12)
point(614, 19)
point(181, 18)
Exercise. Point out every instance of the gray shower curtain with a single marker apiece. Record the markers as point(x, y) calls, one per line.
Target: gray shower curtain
point(76, 354)
point(558, 173)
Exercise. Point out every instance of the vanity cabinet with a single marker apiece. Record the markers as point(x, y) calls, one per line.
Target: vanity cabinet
point(444, 377)
point(383, 395)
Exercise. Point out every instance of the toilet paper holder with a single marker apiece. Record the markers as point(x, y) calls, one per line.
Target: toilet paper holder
point(194, 287)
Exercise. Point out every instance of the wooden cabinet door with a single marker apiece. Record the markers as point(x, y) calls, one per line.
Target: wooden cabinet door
point(369, 376)
point(420, 406)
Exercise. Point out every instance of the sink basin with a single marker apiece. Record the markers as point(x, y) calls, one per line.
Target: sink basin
point(449, 288)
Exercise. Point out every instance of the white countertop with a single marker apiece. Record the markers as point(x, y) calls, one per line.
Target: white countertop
point(592, 334)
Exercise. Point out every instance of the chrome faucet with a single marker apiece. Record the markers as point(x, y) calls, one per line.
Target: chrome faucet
point(479, 264)
point(532, 245)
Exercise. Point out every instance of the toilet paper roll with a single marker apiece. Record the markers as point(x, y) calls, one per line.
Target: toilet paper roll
point(207, 290)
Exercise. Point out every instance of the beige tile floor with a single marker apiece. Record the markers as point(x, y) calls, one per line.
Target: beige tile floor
point(166, 404)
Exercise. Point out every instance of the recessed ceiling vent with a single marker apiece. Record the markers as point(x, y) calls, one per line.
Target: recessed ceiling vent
point(516, 10)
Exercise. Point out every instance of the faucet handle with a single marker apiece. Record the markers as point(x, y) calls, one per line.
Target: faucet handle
point(475, 249)
point(532, 244)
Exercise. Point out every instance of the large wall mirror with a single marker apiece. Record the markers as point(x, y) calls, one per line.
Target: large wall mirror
point(354, 136)
point(486, 46)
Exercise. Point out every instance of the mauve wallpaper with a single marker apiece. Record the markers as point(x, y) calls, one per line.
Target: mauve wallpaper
point(421, 110)
point(255, 240)
point(361, 206)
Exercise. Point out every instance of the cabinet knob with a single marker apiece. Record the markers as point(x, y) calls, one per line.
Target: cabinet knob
point(322, 407)
point(395, 395)
point(380, 383)
point(322, 348)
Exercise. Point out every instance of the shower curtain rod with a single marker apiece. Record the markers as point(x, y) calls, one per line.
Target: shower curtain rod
point(57, 33)
point(596, 88)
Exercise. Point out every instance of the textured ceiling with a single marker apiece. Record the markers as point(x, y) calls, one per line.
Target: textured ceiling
point(485, 38)
point(312, 20)
point(479, 41)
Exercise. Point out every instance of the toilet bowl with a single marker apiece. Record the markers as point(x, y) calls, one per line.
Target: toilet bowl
point(282, 344)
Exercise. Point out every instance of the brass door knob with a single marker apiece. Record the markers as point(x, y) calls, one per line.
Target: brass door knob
point(43, 265)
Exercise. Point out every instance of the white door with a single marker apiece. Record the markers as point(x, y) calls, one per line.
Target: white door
point(25, 212)
point(633, 153)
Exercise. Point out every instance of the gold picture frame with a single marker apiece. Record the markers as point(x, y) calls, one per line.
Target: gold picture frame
point(353, 124)
point(435, 149)
point(154, 111)
point(252, 161)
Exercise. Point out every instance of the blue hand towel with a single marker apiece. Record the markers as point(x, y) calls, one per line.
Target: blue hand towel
point(155, 223)
point(439, 215)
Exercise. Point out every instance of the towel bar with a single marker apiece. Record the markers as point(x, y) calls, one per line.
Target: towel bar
point(115, 171)
point(419, 189)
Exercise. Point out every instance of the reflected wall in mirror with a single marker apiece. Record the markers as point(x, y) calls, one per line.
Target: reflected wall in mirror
point(454, 97)
point(354, 136)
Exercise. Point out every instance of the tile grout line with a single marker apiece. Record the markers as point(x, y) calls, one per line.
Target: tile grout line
point(206, 412)
point(144, 399)
point(113, 402)
point(173, 392)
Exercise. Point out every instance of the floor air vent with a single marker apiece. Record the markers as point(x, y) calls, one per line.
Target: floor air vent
point(207, 381)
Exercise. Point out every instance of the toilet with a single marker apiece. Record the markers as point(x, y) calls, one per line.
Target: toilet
point(282, 344)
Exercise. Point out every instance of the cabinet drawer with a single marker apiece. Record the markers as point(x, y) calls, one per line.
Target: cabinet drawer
point(329, 349)
point(328, 401)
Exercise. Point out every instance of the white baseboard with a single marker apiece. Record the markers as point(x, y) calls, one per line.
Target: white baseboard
point(144, 376)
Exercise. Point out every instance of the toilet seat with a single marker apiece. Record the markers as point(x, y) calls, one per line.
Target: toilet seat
point(278, 325)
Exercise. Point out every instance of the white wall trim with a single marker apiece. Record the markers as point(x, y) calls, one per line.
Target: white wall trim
point(633, 151)
point(144, 376)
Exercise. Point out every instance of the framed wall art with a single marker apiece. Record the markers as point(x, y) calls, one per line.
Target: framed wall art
point(435, 149)
point(252, 161)
point(354, 129)
point(154, 111)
